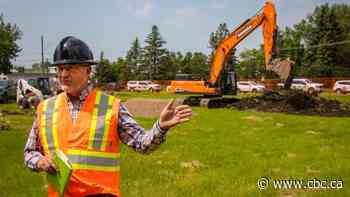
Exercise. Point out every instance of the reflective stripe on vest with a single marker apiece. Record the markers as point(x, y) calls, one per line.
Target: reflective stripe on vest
point(92, 160)
point(49, 133)
point(100, 121)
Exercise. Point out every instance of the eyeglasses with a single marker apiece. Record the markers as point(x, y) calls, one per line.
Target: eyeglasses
point(70, 67)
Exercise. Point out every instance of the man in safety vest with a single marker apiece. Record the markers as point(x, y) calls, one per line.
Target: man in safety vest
point(88, 125)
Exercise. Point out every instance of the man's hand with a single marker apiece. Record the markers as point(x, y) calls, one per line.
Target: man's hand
point(171, 116)
point(46, 164)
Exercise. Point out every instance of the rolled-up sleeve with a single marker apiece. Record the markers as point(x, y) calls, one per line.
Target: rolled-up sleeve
point(33, 148)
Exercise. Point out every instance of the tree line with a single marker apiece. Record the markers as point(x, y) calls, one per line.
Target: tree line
point(9, 49)
point(319, 44)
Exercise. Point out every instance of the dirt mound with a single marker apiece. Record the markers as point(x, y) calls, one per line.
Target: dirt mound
point(294, 102)
point(147, 107)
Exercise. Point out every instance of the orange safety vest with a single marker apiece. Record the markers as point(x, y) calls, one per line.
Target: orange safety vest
point(91, 143)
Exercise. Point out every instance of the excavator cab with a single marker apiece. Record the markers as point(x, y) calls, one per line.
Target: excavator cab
point(228, 83)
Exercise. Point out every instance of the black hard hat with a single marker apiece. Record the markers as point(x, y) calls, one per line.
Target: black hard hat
point(71, 50)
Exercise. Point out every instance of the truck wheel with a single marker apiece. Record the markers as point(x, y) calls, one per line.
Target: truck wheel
point(311, 91)
point(338, 91)
point(255, 91)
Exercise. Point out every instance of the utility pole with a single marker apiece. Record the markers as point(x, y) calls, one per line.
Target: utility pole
point(42, 54)
point(101, 56)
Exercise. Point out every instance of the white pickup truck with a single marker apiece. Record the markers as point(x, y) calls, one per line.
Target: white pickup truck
point(250, 86)
point(304, 84)
point(143, 86)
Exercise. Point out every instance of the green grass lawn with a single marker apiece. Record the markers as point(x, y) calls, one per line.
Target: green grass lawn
point(220, 152)
point(124, 95)
point(332, 95)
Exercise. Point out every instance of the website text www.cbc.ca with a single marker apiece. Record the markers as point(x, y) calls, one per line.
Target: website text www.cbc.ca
point(264, 183)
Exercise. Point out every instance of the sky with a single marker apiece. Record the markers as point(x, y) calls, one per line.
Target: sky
point(112, 25)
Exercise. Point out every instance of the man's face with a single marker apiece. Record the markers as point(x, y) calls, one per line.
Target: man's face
point(73, 78)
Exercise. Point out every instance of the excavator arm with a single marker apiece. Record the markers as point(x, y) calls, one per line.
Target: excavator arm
point(266, 17)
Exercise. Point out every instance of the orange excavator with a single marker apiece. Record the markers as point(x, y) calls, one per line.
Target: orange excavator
point(221, 83)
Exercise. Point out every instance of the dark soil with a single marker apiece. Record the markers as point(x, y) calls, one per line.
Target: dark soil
point(150, 108)
point(293, 102)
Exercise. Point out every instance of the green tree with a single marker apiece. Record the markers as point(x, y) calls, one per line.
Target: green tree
point(9, 34)
point(133, 59)
point(199, 64)
point(217, 36)
point(289, 44)
point(168, 66)
point(342, 13)
point(186, 63)
point(105, 72)
point(120, 69)
point(251, 63)
point(176, 59)
point(321, 31)
point(153, 52)
point(327, 31)
point(191, 63)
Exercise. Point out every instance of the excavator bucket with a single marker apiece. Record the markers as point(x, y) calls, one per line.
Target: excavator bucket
point(283, 68)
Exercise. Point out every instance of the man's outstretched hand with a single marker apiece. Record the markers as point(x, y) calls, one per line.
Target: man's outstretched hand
point(171, 116)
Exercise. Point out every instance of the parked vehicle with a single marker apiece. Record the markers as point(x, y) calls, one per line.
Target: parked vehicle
point(7, 90)
point(143, 86)
point(342, 87)
point(250, 86)
point(3, 77)
point(305, 85)
point(28, 96)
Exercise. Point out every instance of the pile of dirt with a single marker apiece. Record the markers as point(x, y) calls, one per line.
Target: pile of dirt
point(294, 102)
point(150, 108)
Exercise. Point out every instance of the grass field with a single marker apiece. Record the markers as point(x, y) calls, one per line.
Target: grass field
point(220, 152)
